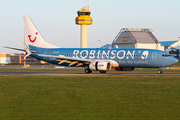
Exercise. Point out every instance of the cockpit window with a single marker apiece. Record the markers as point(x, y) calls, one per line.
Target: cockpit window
point(166, 55)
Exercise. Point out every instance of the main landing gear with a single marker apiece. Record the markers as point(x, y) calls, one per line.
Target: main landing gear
point(87, 70)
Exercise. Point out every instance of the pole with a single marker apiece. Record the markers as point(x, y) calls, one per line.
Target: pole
point(24, 49)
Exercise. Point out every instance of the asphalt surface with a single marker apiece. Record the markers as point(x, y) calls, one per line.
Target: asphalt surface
point(70, 74)
point(83, 74)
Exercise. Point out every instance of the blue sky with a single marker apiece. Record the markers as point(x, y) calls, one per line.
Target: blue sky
point(55, 19)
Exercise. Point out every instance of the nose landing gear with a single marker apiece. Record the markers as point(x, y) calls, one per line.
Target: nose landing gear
point(160, 71)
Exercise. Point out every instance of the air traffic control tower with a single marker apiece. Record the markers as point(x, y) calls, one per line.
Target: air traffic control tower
point(84, 19)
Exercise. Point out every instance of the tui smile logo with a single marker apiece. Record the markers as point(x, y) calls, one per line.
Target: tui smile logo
point(29, 36)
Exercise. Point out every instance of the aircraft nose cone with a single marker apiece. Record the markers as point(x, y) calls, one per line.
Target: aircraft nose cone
point(174, 61)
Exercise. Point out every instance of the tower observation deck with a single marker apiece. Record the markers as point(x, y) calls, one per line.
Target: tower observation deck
point(84, 19)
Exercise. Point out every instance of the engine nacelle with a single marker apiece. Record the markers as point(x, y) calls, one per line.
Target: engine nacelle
point(124, 69)
point(100, 66)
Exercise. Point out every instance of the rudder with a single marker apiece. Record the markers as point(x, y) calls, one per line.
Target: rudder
point(33, 35)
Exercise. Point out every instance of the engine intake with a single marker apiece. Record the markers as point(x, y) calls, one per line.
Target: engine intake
point(100, 66)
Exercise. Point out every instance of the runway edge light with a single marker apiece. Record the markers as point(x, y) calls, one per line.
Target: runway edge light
point(84, 19)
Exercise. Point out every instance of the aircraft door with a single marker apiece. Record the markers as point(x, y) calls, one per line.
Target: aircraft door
point(154, 55)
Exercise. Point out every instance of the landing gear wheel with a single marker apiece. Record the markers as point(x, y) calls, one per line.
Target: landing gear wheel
point(102, 71)
point(87, 71)
point(160, 71)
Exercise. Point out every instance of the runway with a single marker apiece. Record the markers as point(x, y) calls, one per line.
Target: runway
point(83, 74)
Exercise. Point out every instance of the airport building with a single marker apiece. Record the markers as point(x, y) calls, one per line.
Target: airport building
point(19, 59)
point(4, 58)
point(172, 47)
point(170, 44)
point(136, 38)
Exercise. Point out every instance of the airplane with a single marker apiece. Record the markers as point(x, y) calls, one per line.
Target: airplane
point(93, 59)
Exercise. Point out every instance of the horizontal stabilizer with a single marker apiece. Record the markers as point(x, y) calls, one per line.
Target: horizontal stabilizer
point(14, 48)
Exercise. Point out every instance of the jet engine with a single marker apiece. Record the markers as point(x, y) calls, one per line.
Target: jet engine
point(100, 66)
point(124, 69)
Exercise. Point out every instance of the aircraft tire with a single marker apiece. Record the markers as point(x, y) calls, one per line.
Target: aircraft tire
point(87, 71)
point(160, 71)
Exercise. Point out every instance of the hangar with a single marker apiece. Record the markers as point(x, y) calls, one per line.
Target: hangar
point(170, 44)
point(173, 47)
point(136, 38)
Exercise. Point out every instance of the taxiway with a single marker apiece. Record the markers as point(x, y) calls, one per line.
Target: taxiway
point(83, 74)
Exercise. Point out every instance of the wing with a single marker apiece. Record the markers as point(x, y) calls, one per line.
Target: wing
point(78, 61)
point(71, 60)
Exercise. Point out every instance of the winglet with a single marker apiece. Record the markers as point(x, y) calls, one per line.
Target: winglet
point(26, 48)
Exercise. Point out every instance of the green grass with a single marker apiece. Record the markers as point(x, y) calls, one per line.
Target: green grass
point(177, 64)
point(89, 98)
